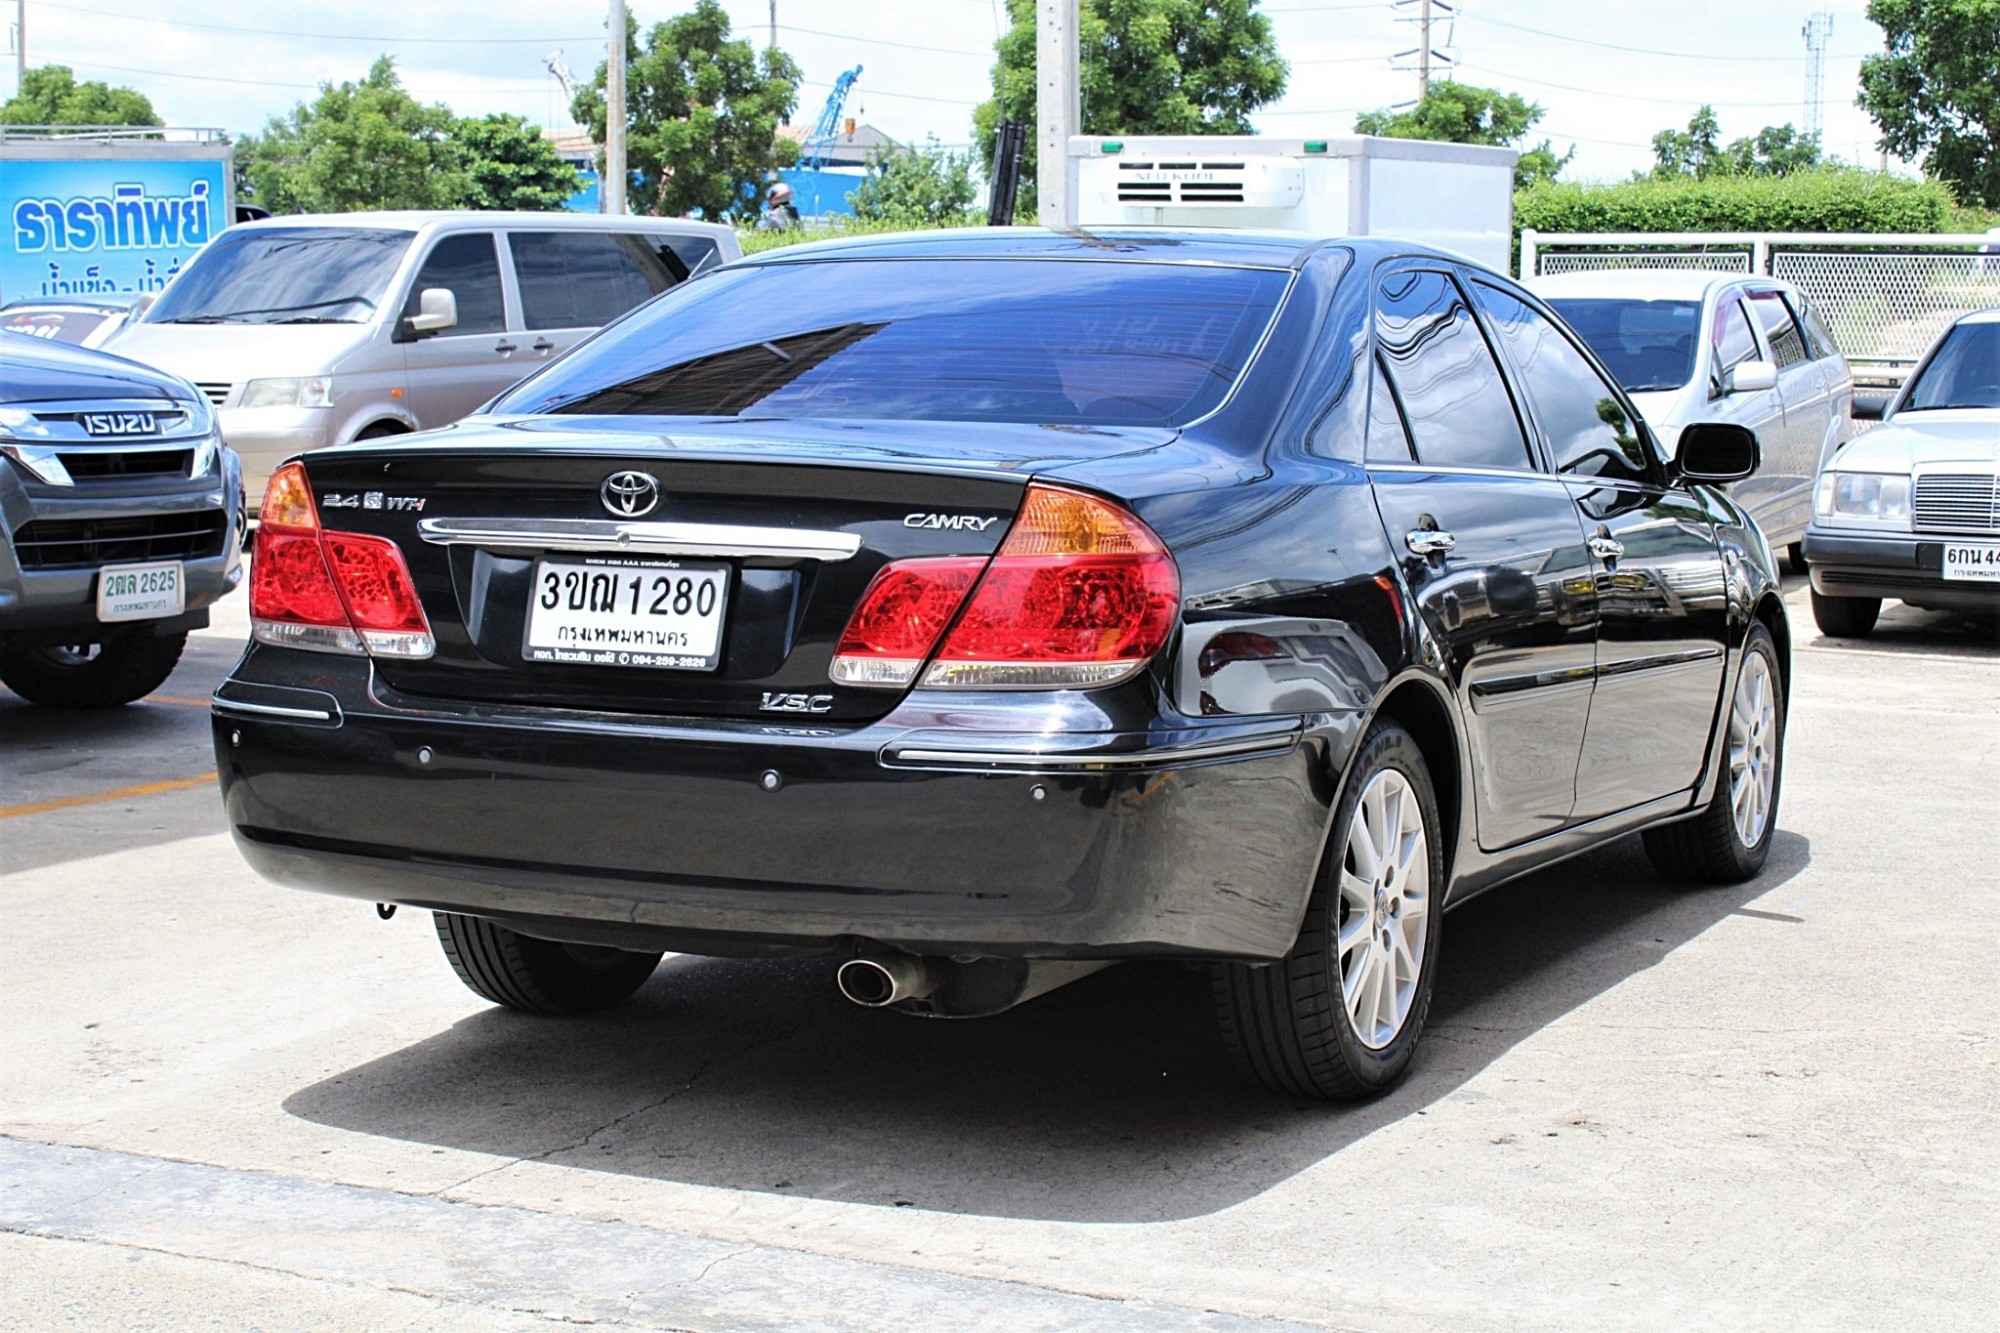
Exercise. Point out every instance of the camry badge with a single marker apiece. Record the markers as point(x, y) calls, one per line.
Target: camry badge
point(630, 494)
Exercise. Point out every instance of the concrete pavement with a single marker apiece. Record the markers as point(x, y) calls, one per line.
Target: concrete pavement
point(1776, 1105)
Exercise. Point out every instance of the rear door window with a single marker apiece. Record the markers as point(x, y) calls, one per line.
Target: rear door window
point(1819, 338)
point(1588, 431)
point(1788, 345)
point(586, 279)
point(1388, 435)
point(1451, 390)
point(468, 267)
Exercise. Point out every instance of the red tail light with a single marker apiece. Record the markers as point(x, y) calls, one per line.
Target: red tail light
point(900, 618)
point(334, 592)
point(1080, 593)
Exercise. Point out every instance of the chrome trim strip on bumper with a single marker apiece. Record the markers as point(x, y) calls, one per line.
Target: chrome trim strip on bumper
point(1027, 761)
point(611, 535)
point(271, 710)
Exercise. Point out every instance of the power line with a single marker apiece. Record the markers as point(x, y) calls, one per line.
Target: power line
point(308, 87)
point(883, 41)
point(1477, 17)
point(314, 36)
point(1621, 97)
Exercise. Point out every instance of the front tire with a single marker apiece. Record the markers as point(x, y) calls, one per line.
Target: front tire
point(1729, 841)
point(1339, 1016)
point(1845, 617)
point(103, 674)
point(539, 976)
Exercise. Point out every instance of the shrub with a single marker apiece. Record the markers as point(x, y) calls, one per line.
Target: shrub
point(1830, 200)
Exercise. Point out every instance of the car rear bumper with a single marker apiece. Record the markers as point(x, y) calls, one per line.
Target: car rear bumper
point(1909, 567)
point(1032, 827)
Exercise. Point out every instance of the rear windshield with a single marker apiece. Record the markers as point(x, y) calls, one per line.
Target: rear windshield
point(1648, 346)
point(1965, 372)
point(285, 275)
point(1046, 341)
point(63, 326)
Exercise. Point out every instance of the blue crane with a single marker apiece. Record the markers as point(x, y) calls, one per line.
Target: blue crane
point(820, 142)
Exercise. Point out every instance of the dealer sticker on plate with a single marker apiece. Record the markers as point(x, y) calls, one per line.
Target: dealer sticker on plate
point(141, 592)
point(1972, 562)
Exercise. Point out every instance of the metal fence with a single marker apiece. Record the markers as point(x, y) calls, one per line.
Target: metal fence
point(1886, 296)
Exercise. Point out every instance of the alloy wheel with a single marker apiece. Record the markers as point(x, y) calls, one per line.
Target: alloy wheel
point(1385, 893)
point(1753, 749)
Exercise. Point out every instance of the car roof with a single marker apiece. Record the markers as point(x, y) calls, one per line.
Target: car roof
point(1186, 245)
point(460, 219)
point(1990, 315)
point(1657, 284)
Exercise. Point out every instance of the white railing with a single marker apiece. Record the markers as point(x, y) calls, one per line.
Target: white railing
point(1886, 295)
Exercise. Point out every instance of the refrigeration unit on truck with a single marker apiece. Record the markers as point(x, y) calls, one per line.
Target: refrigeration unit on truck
point(1457, 197)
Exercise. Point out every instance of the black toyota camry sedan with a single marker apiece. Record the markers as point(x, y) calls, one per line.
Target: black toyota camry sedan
point(983, 608)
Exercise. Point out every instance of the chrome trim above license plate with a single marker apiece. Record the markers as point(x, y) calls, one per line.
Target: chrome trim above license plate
point(613, 536)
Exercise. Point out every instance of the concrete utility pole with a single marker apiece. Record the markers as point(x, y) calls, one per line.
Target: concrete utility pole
point(1423, 50)
point(1058, 108)
point(611, 190)
point(20, 45)
point(774, 27)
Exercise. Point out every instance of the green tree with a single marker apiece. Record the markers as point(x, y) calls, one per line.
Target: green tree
point(508, 164)
point(358, 146)
point(1147, 67)
point(702, 115)
point(50, 95)
point(1696, 152)
point(1455, 112)
point(1775, 150)
point(916, 187)
point(1933, 92)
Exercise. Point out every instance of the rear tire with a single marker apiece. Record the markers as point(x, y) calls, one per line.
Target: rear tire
point(103, 674)
point(1339, 1016)
point(539, 976)
point(1728, 842)
point(1845, 617)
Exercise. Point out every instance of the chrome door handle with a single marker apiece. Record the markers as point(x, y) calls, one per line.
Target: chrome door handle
point(1429, 541)
point(1606, 548)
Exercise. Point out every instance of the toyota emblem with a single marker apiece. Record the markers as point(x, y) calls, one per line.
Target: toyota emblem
point(630, 494)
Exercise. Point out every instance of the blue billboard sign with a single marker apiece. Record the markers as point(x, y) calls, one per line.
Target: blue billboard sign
point(97, 226)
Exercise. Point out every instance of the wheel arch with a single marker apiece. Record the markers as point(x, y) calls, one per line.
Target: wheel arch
point(1770, 613)
point(1419, 707)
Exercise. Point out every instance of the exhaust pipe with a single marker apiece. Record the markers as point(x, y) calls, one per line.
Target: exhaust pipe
point(878, 981)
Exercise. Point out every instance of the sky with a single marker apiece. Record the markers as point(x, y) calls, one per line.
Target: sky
point(1609, 74)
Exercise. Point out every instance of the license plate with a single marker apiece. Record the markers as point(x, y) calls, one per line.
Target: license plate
point(1972, 562)
point(141, 592)
point(628, 612)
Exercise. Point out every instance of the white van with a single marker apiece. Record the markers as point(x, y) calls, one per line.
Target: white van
point(320, 329)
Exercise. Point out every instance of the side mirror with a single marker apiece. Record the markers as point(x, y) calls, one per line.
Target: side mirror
point(143, 304)
point(437, 309)
point(1870, 406)
point(1717, 451)
point(1751, 377)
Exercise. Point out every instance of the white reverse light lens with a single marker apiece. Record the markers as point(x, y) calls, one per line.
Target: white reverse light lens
point(306, 391)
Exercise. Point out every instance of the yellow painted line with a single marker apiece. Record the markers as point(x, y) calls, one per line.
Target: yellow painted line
point(176, 699)
point(93, 798)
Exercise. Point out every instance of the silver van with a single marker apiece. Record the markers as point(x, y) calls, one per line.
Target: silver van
point(321, 329)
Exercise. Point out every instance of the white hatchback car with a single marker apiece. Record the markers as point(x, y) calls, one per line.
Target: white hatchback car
point(1722, 347)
